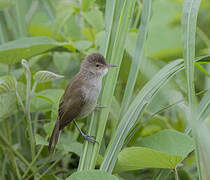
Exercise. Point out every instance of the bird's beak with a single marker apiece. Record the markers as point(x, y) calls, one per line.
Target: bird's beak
point(110, 65)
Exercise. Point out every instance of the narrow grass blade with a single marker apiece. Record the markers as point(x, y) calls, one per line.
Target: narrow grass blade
point(111, 79)
point(3, 33)
point(135, 109)
point(203, 134)
point(189, 19)
point(20, 17)
point(113, 51)
point(138, 55)
point(88, 147)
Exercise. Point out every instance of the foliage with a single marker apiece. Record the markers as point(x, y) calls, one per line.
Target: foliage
point(155, 124)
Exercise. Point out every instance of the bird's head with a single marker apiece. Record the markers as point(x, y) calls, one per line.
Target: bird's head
point(96, 64)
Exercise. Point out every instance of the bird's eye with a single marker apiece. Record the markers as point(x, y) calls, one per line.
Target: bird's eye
point(97, 65)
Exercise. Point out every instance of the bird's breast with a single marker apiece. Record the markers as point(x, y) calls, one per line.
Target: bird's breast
point(91, 96)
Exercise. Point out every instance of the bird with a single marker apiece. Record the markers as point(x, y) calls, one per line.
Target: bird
point(80, 96)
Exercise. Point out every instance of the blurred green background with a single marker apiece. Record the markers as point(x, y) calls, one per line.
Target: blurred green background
point(76, 28)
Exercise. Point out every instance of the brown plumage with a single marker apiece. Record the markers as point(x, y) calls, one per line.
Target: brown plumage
point(80, 96)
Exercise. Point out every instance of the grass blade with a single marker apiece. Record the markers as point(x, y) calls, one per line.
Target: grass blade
point(189, 19)
point(138, 55)
point(88, 147)
point(135, 109)
point(110, 83)
point(114, 53)
point(21, 21)
point(203, 135)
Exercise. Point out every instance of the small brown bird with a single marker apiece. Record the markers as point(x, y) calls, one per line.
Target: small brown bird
point(80, 96)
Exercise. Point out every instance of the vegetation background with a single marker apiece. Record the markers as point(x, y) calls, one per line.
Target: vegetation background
point(156, 121)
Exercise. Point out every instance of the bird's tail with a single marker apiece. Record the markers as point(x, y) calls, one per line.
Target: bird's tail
point(54, 138)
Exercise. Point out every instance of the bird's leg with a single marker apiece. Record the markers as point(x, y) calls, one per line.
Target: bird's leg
point(85, 136)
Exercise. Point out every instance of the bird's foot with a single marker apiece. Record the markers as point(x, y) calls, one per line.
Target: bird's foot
point(89, 138)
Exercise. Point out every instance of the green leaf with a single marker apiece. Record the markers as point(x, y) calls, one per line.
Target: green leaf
point(91, 175)
point(94, 18)
point(62, 17)
point(52, 95)
point(86, 4)
point(83, 45)
point(135, 110)
point(118, 19)
point(162, 15)
point(12, 52)
point(7, 104)
point(70, 146)
point(138, 55)
point(203, 59)
point(40, 140)
point(7, 83)
point(189, 20)
point(169, 141)
point(62, 61)
point(134, 158)
point(45, 76)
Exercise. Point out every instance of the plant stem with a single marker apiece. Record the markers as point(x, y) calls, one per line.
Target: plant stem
point(176, 174)
point(34, 160)
point(27, 108)
point(4, 140)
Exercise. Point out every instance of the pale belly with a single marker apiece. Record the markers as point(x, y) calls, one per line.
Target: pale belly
point(91, 101)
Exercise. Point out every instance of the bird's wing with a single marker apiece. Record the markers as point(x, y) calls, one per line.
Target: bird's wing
point(71, 105)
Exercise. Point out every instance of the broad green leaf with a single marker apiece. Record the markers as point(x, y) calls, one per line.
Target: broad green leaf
point(12, 52)
point(169, 141)
point(43, 101)
point(67, 145)
point(91, 175)
point(82, 45)
point(52, 95)
point(161, 16)
point(61, 61)
point(72, 29)
point(45, 76)
point(62, 17)
point(94, 18)
point(7, 83)
point(134, 158)
point(7, 105)
point(99, 38)
point(86, 4)
point(89, 33)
